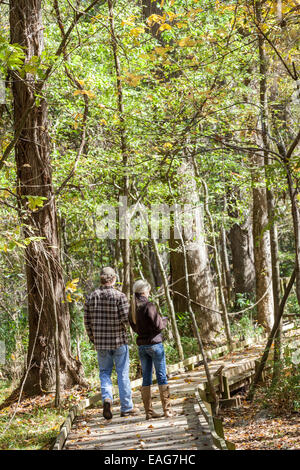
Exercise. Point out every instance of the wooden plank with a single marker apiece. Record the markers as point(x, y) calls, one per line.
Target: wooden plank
point(233, 402)
point(226, 389)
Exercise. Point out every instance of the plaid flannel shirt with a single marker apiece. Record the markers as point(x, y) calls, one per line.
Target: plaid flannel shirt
point(106, 318)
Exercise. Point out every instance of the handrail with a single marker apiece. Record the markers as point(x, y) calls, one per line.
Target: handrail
point(215, 424)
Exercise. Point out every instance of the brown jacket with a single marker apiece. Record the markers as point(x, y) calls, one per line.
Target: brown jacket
point(149, 323)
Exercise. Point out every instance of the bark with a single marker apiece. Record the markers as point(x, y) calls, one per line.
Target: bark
point(241, 245)
point(261, 235)
point(227, 282)
point(263, 69)
point(45, 284)
point(202, 289)
point(278, 353)
point(262, 251)
point(146, 265)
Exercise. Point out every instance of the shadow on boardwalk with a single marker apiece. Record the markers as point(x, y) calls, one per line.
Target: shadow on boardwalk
point(186, 431)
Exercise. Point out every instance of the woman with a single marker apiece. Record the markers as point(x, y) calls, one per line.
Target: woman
point(148, 324)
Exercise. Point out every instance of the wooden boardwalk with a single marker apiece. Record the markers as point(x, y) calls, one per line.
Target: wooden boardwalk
point(187, 431)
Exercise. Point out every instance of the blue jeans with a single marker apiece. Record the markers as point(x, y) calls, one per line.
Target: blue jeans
point(153, 354)
point(106, 361)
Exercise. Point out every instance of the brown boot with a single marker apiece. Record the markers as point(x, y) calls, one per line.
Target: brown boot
point(164, 391)
point(147, 400)
point(107, 409)
point(133, 412)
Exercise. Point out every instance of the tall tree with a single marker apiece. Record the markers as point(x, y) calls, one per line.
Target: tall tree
point(201, 285)
point(48, 314)
point(125, 240)
point(242, 255)
point(265, 132)
point(262, 250)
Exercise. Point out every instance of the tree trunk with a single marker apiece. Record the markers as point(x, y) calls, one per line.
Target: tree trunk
point(262, 252)
point(263, 69)
point(241, 245)
point(45, 284)
point(261, 234)
point(202, 289)
point(218, 268)
point(146, 264)
point(125, 240)
point(225, 265)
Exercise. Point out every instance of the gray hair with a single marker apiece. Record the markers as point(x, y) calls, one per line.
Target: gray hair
point(139, 287)
point(107, 275)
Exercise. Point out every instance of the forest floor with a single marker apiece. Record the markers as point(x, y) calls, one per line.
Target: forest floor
point(35, 422)
point(253, 426)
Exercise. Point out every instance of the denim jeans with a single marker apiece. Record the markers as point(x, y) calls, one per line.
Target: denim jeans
point(153, 354)
point(106, 361)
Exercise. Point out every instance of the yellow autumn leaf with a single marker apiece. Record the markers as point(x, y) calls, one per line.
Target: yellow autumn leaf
point(137, 31)
point(133, 79)
point(181, 25)
point(129, 22)
point(5, 193)
point(194, 12)
point(165, 26)
point(72, 285)
point(171, 15)
point(69, 298)
point(167, 145)
point(187, 41)
point(89, 93)
point(78, 116)
point(161, 50)
point(153, 19)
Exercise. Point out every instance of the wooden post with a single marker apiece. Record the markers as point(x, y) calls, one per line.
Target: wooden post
point(226, 389)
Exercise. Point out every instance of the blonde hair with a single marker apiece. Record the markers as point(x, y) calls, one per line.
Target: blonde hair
point(139, 287)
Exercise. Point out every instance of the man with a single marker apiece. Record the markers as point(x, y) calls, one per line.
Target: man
point(105, 319)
